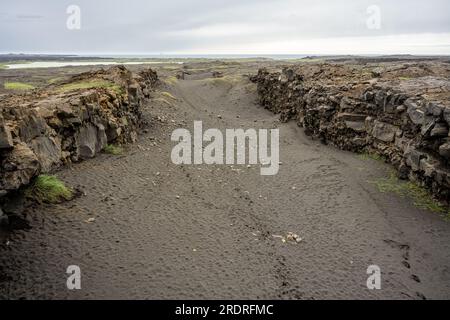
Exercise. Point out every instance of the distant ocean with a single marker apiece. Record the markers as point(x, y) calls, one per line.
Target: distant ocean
point(205, 56)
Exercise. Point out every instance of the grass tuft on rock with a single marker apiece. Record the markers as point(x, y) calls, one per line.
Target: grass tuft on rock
point(113, 149)
point(18, 86)
point(421, 197)
point(49, 189)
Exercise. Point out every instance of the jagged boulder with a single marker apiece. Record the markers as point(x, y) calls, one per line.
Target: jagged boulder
point(439, 130)
point(384, 131)
point(6, 141)
point(90, 140)
point(19, 166)
point(48, 151)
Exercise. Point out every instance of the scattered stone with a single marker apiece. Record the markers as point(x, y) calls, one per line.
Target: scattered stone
point(290, 236)
point(384, 131)
point(293, 237)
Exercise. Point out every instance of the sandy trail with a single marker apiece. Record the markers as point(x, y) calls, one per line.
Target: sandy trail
point(167, 231)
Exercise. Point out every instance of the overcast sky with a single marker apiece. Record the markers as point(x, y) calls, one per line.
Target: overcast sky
point(227, 26)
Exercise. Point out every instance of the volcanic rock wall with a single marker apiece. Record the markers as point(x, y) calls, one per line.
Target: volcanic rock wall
point(398, 110)
point(68, 122)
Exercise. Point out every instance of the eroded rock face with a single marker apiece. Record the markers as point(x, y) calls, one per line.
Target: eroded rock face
point(4, 220)
point(42, 130)
point(19, 166)
point(6, 141)
point(48, 151)
point(90, 140)
point(384, 131)
point(398, 110)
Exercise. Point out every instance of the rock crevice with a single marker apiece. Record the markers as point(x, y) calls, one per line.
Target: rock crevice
point(400, 111)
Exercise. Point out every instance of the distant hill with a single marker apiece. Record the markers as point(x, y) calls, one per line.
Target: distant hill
point(42, 57)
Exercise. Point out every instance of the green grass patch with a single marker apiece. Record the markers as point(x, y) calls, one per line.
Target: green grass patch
point(167, 95)
point(113, 149)
point(171, 80)
point(54, 80)
point(18, 86)
point(371, 156)
point(89, 85)
point(219, 67)
point(421, 197)
point(49, 189)
point(404, 78)
point(311, 60)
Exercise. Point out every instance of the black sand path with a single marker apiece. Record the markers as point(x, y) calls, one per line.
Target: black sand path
point(167, 231)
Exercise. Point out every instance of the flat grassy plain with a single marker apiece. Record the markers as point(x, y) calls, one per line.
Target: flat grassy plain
point(18, 86)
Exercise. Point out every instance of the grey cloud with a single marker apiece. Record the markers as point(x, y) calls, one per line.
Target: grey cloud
point(179, 25)
point(29, 16)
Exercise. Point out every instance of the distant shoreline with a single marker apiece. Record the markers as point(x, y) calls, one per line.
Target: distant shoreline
point(31, 61)
point(66, 57)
